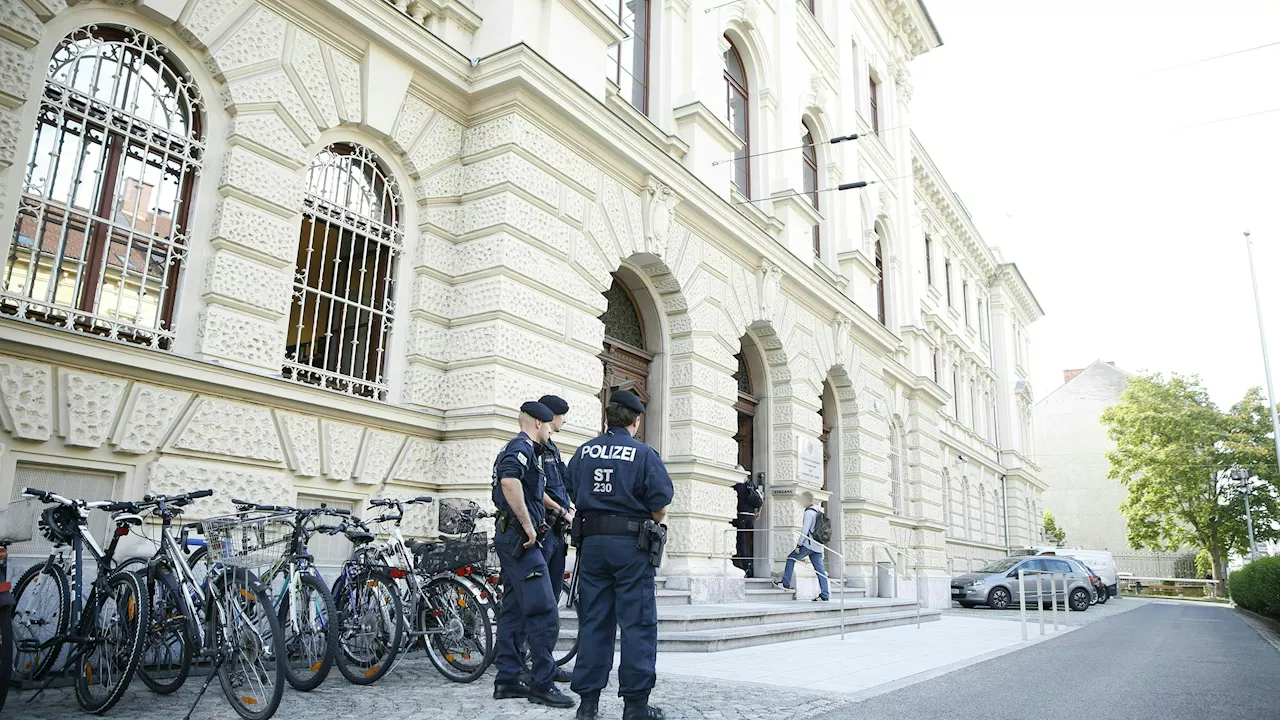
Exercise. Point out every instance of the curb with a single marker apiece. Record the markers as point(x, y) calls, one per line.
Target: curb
point(1268, 628)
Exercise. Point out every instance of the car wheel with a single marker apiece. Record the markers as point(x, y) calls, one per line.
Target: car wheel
point(1079, 600)
point(999, 599)
point(967, 605)
point(1103, 597)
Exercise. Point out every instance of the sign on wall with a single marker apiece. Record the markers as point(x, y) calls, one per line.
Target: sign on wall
point(810, 462)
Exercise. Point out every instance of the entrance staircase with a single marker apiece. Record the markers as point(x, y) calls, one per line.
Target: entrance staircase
point(769, 616)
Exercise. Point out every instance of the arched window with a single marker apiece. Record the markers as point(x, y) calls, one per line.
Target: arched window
point(982, 513)
point(626, 361)
point(973, 406)
point(104, 220)
point(964, 509)
point(880, 281)
point(990, 429)
point(946, 503)
point(344, 285)
point(810, 173)
point(955, 391)
point(738, 114)
point(629, 59)
point(896, 489)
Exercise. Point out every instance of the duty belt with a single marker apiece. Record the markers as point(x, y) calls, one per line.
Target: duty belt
point(611, 525)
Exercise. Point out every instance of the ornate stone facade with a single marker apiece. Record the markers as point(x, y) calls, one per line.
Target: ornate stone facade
point(532, 196)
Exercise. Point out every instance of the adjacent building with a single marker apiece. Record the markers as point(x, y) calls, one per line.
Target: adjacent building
point(1073, 447)
point(321, 250)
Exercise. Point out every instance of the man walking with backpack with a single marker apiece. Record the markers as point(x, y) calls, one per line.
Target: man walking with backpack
point(815, 531)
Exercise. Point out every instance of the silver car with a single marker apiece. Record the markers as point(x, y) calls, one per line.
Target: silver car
point(996, 585)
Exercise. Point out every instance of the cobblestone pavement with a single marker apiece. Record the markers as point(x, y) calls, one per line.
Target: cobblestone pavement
point(1113, 607)
point(415, 690)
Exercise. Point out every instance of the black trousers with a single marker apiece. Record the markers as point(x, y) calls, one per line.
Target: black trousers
point(743, 552)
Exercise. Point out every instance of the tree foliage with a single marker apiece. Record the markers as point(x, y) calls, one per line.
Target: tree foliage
point(1052, 531)
point(1174, 451)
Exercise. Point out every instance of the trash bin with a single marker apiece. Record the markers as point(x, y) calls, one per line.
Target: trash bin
point(885, 586)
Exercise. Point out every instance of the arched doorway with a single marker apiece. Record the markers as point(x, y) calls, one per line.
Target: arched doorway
point(747, 402)
point(627, 363)
point(830, 437)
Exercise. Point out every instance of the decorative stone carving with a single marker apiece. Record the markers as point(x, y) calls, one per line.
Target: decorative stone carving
point(414, 114)
point(301, 437)
point(442, 141)
point(841, 339)
point(269, 131)
point(89, 406)
point(237, 278)
point(148, 415)
point(274, 88)
point(308, 63)
point(770, 278)
point(172, 476)
point(235, 429)
point(259, 177)
point(205, 17)
point(659, 208)
point(259, 39)
point(253, 228)
point(347, 74)
point(27, 390)
point(226, 333)
point(341, 446)
point(381, 449)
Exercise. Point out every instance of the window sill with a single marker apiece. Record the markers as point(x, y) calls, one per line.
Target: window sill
point(671, 144)
point(835, 279)
point(752, 211)
point(857, 260)
point(935, 294)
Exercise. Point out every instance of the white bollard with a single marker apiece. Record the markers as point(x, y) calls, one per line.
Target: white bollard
point(1022, 600)
point(1040, 601)
point(1053, 590)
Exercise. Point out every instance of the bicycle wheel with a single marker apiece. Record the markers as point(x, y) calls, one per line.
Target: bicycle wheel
point(114, 623)
point(41, 612)
point(251, 669)
point(6, 650)
point(568, 601)
point(369, 625)
point(170, 643)
point(462, 638)
point(310, 635)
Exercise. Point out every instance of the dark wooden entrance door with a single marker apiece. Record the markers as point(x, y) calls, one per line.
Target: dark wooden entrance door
point(745, 437)
point(625, 368)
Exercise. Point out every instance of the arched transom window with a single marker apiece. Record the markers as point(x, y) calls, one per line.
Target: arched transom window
point(810, 172)
point(738, 114)
point(103, 223)
point(344, 287)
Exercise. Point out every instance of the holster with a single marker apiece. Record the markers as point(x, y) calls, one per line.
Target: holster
point(652, 539)
point(541, 532)
point(575, 532)
point(502, 520)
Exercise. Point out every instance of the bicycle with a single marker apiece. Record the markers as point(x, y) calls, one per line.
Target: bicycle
point(15, 526)
point(369, 608)
point(303, 602)
point(439, 609)
point(109, 626)
point(225, 618)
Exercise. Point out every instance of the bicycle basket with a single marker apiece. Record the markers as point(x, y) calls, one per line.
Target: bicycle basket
point(453, 517)
point(246, 540)
point(453, 554)
point(18, 520)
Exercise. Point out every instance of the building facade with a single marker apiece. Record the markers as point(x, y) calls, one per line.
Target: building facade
point(1074, 466)
point(321, 250)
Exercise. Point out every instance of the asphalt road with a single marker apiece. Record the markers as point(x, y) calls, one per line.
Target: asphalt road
point(1158, 662)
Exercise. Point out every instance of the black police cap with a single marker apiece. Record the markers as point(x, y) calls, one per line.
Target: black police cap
point(627, 399)
point(556, 403)
point(537, 411)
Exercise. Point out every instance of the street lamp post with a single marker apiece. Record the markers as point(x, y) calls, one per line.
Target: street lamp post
point(1266, 363)
point(1241, 475)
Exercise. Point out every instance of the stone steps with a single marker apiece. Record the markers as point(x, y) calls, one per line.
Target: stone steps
point(763, 591)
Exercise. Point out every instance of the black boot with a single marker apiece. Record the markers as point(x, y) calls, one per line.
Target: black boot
point(589, 708)
point(563, 676)
point(507, 690)
point(637, 707)
point(550, 696)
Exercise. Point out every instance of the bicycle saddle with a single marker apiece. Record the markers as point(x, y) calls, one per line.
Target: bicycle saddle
point(420, 547)
point(359, 537)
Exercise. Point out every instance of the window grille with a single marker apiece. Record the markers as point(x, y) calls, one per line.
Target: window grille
point(102, 227)
point(344, 286)
point(895, 469)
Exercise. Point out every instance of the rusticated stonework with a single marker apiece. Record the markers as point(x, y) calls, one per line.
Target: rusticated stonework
point(89, 407)
point(148, 416)
point(301, 437)
point(173, 476)
point(227, 333)
point(341, 446)
point(27, 390)
point(230, 428)
point(380, 452)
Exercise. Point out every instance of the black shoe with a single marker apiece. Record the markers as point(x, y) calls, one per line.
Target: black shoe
point(821, 599)
point(589, 709)
point(507, 691)
point(552, 697)
point(643, 712)
point(563, 676)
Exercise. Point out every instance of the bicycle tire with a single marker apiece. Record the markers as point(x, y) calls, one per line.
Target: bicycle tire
point(242, 640)
point(168, 628)
point(127, 628)
point(34, 665)
point(570, 602)
point(6, 650)
point(306, 673)
point(465, 627)
point(367, 611)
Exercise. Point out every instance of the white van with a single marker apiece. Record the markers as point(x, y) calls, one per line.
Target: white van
point(1099, 561)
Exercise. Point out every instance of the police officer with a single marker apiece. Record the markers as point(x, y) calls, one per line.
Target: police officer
point(528, 605)
point(621, 484)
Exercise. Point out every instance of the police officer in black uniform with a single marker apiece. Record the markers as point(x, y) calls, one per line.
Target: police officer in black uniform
point(750, 499)
point(528, 604)
point(623, 491)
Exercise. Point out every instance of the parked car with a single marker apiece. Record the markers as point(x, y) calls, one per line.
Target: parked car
point(996, 585)
point(1101, 594)
point(1100, 561)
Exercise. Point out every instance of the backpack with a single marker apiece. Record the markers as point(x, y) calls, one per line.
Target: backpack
point(821, 528)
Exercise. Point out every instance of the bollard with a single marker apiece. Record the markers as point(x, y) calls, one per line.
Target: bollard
point(1053, 590)
point(1040, 601)
point(1022, 600)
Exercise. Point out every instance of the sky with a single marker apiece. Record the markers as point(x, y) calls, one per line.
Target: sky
point(1112, 179)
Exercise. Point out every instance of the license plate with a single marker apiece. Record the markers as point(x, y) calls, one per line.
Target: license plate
point(957, 591)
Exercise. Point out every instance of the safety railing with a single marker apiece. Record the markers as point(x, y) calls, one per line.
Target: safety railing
point(893, 568)
point(1157, 583)
point(1053, 591)
point(797, 535)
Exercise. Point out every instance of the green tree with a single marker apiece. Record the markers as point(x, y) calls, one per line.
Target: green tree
point(1052, 531)
point(1174, 450)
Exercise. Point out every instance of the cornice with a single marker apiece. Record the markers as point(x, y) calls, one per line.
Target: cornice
point(861, 262)
point(790, 200)
point(594, 17)
point(913, 26)
point(814, 41)
point(1009, 276)
point(702, 116)
point(674, 146)
point(938, 197)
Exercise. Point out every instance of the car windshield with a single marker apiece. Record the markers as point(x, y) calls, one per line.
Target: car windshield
point(1001, 565)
